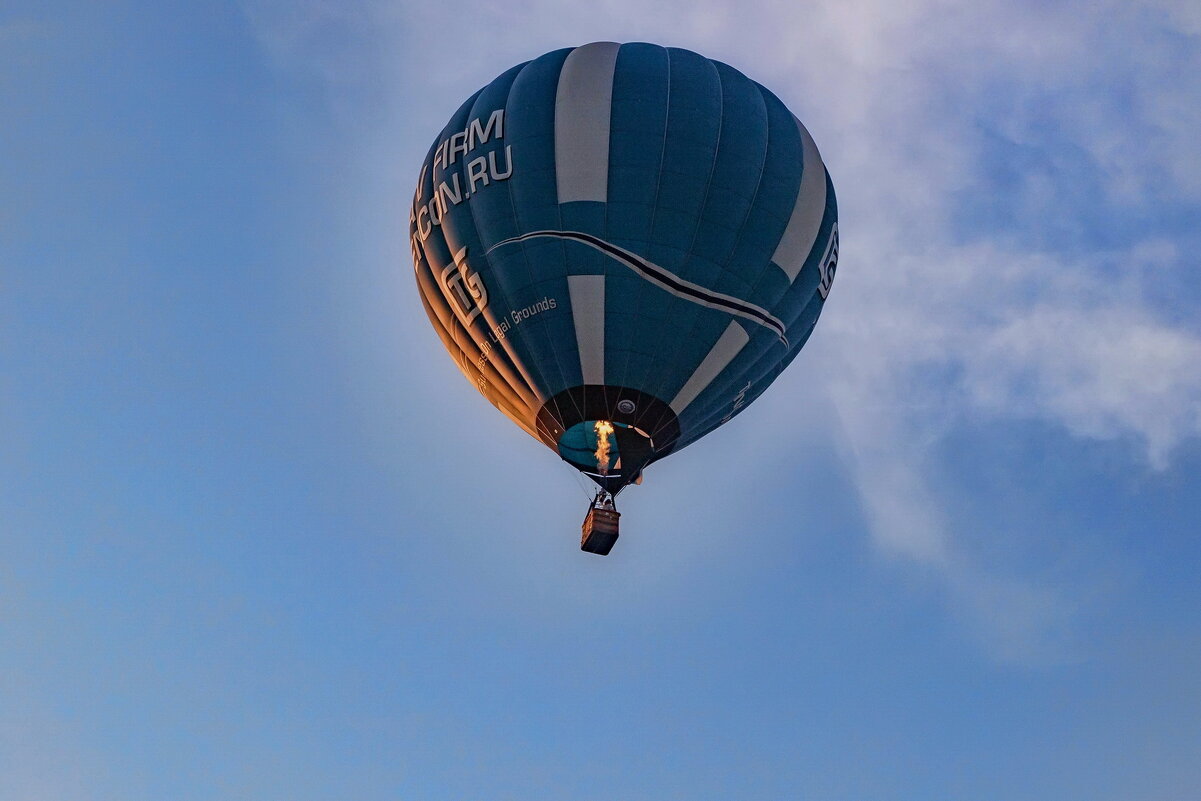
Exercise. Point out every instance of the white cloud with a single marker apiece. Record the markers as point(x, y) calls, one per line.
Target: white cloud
point(1013, 330)
point(905, 101)
point(1103, 373)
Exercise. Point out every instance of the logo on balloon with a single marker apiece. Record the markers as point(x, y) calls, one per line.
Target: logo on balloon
point(739, 402)
point(829, 264)
point(464, 288)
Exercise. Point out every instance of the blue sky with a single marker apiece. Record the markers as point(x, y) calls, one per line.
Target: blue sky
point(259, 539)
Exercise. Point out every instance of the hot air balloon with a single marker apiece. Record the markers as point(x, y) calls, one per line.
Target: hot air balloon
point(622, 246)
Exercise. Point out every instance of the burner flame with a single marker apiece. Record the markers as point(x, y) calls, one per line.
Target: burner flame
point(603, 429)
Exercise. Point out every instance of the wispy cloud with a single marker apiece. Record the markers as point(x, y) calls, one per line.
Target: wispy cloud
point(1055, 329)
point(1010, 178)
point(1036, 312)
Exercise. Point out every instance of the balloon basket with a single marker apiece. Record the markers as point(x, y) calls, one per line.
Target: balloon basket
point(599, 531)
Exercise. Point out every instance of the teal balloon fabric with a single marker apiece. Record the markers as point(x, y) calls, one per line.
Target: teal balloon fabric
point(623, 233)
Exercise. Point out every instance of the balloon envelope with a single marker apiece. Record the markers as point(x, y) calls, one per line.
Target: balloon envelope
point(623, 233)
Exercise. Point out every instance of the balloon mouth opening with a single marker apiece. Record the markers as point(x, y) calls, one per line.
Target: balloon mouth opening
point(594, 447)
point(638, 428)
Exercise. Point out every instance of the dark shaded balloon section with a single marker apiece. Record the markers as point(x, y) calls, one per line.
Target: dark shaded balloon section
point(622, 246)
